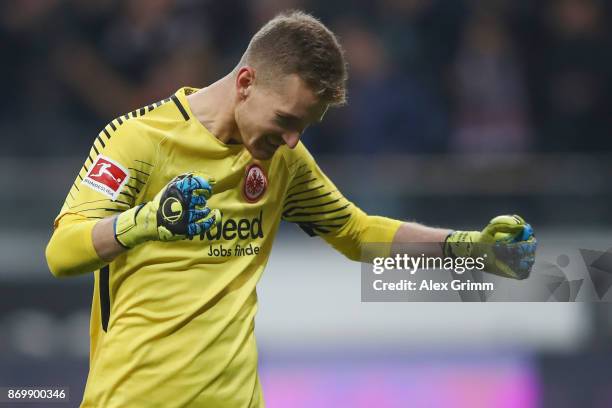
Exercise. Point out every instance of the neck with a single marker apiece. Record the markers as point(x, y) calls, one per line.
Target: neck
point(213, 107)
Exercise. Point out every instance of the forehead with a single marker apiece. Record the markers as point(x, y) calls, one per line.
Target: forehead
point(293, 96)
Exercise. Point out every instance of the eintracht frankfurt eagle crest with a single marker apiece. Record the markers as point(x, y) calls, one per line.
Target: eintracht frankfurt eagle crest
point(255, 183)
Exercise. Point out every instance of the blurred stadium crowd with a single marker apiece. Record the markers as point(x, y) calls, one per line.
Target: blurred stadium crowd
point(426, 75)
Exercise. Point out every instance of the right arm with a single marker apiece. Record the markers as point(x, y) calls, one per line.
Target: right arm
point(104, 240)
point(113, 179)
point(94, 244)
point(178, 211)
point(71, 250)
point(105, 212)
point(91, 245)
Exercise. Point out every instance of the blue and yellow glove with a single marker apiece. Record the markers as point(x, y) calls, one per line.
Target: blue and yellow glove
point(507, 244)
point(177, 212)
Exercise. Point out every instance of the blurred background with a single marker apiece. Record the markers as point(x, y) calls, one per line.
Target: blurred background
point(459, 110)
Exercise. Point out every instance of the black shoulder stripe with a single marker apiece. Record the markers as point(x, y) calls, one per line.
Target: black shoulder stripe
point(296, 162)
point(307, 214)
point(288, 211)
point(305, 191)
point(307, 228)
point(301, 183)
point(302, 221)
point(99, 139)
point(135, 189)
point(318, 229)
point(180, 107)
point(302, 175)
point(287, 203)
point(100, 209)
point(97, 201)
point(330, 225)
point(140, 112)
point(143, 162)
point(139, 171)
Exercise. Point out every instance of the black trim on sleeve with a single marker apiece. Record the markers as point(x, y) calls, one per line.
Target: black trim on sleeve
point(180, 107)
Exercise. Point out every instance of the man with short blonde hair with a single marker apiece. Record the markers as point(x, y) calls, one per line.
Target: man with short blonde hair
point(175, 211)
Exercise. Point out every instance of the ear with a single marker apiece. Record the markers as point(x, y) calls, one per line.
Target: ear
point(244, 81)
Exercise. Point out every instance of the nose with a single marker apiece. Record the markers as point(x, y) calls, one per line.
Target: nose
point(291, 139)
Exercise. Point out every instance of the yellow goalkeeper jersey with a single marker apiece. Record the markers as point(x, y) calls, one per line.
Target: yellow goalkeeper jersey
point(172, 323)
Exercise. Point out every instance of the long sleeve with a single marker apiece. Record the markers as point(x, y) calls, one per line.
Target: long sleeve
point(314, 203)
point(71, 252)
point(111, 180)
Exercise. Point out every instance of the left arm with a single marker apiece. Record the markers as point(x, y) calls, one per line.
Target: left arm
point(414, 233)
point(314, 203)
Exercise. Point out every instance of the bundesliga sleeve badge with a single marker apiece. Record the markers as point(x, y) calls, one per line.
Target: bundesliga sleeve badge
point(255, 183)
point(106, 176)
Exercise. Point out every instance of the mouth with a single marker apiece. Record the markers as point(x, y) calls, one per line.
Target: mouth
point(272, 144)
point(269, 146)
point(264, 150)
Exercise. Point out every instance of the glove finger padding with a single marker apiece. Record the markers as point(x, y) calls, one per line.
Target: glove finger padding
point(507, 245)
point(196, 214)
point(513, 246)
point(190, 185)
point(503, 228)
point(209, 222)
point(178, 211)
point(514, 259)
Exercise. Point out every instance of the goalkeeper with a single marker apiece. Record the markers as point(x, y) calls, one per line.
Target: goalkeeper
point(170, 192)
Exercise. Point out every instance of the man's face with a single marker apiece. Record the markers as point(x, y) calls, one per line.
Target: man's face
point(271, 115)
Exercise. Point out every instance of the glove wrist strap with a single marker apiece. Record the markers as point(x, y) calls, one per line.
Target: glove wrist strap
point(126, 232)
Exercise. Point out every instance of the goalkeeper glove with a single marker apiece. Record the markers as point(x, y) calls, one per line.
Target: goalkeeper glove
point(178, 211)
point(507, 244)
